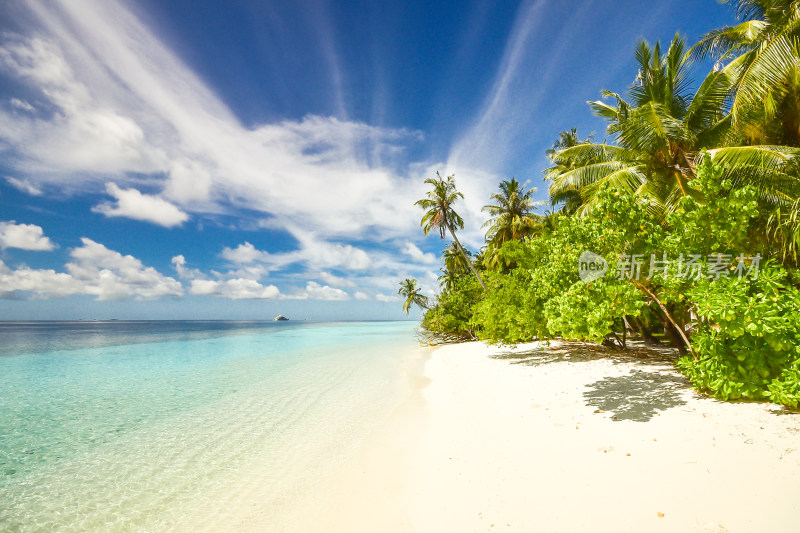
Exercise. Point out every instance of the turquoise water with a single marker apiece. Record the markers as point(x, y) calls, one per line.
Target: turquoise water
point(144, 426)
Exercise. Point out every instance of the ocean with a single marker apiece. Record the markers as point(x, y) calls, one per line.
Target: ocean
point(152, 426)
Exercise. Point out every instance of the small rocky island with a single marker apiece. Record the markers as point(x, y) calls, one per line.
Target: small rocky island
point(279, 317)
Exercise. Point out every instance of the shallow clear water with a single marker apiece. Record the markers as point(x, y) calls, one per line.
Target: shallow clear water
point(135, 425)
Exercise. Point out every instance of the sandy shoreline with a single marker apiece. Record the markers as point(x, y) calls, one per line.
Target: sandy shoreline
point(562, 442)
point(519, 447)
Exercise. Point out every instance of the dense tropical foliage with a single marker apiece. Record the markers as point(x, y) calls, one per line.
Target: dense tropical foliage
point(659, 132)
point(690, 209)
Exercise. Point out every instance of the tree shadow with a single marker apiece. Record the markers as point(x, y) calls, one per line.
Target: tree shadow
point(637, 396)
point(579, 352)
point(651, 386)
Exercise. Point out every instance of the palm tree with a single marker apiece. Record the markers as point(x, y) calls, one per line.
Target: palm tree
point(660, 136)
point(439, 213)
point(512, 218)
point(512, 213)
point(567, 139)
point(410, 291)
point(454, 266)
point(760, 54)
point(570, 199)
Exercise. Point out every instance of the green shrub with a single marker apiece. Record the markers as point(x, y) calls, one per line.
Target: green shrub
point(747, 338)
point(590, 311)
point(451, 314)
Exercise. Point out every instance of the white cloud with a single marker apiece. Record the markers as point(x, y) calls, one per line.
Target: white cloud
point(87, 134)
point(336, 281)
point(128, 105)
point(312, 252)
point(244, 253)
point(179, 263)
point(255, 272)
point(109, 275)
point(42, 283)
point(127, 108)
point(23, 236)
point(94, 270)
point(411, 250)
point(430, 279)
point(24, 186)
point(361, 295)
point(315, 291)
point(133, 204)
point(235, 289)
point(336, 255)
point(531, 71)
point(242, 283)
point(190, 180)
point(387, 297)
point(21, 104)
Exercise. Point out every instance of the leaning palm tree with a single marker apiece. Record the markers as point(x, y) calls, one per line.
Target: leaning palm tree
point(410, 291)
point(440, 215)
point(760, 54)
point(660, 135)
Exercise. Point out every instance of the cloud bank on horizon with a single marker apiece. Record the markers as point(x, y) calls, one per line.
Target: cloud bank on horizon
point(99, 107)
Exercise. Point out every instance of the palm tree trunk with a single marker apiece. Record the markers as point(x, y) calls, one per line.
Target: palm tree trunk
point(668, 316)
point(466, 257)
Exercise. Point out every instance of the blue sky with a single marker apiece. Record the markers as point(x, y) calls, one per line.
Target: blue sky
point(198, 159)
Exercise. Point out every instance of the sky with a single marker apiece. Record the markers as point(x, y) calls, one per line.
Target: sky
point(195, 159)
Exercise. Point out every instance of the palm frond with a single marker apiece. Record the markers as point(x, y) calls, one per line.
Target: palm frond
point(721, 42)
point(621, 176)
point(652, 128)
point(709, 103)
point(768, 168)
point(765, 72)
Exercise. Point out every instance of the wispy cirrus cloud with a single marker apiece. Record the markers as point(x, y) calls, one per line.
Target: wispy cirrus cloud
point(84, 132)
point(485, 144)
point(128, 107)
point(117, 112)
point(24, 185)
point(21, 104)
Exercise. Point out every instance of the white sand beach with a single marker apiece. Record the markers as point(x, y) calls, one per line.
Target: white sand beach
point(563, 440)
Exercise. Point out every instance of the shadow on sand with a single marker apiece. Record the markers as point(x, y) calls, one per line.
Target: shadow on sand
point(637, 396)
point(650, 387)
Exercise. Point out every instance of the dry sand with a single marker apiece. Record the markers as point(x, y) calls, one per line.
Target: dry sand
point(564, 440)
